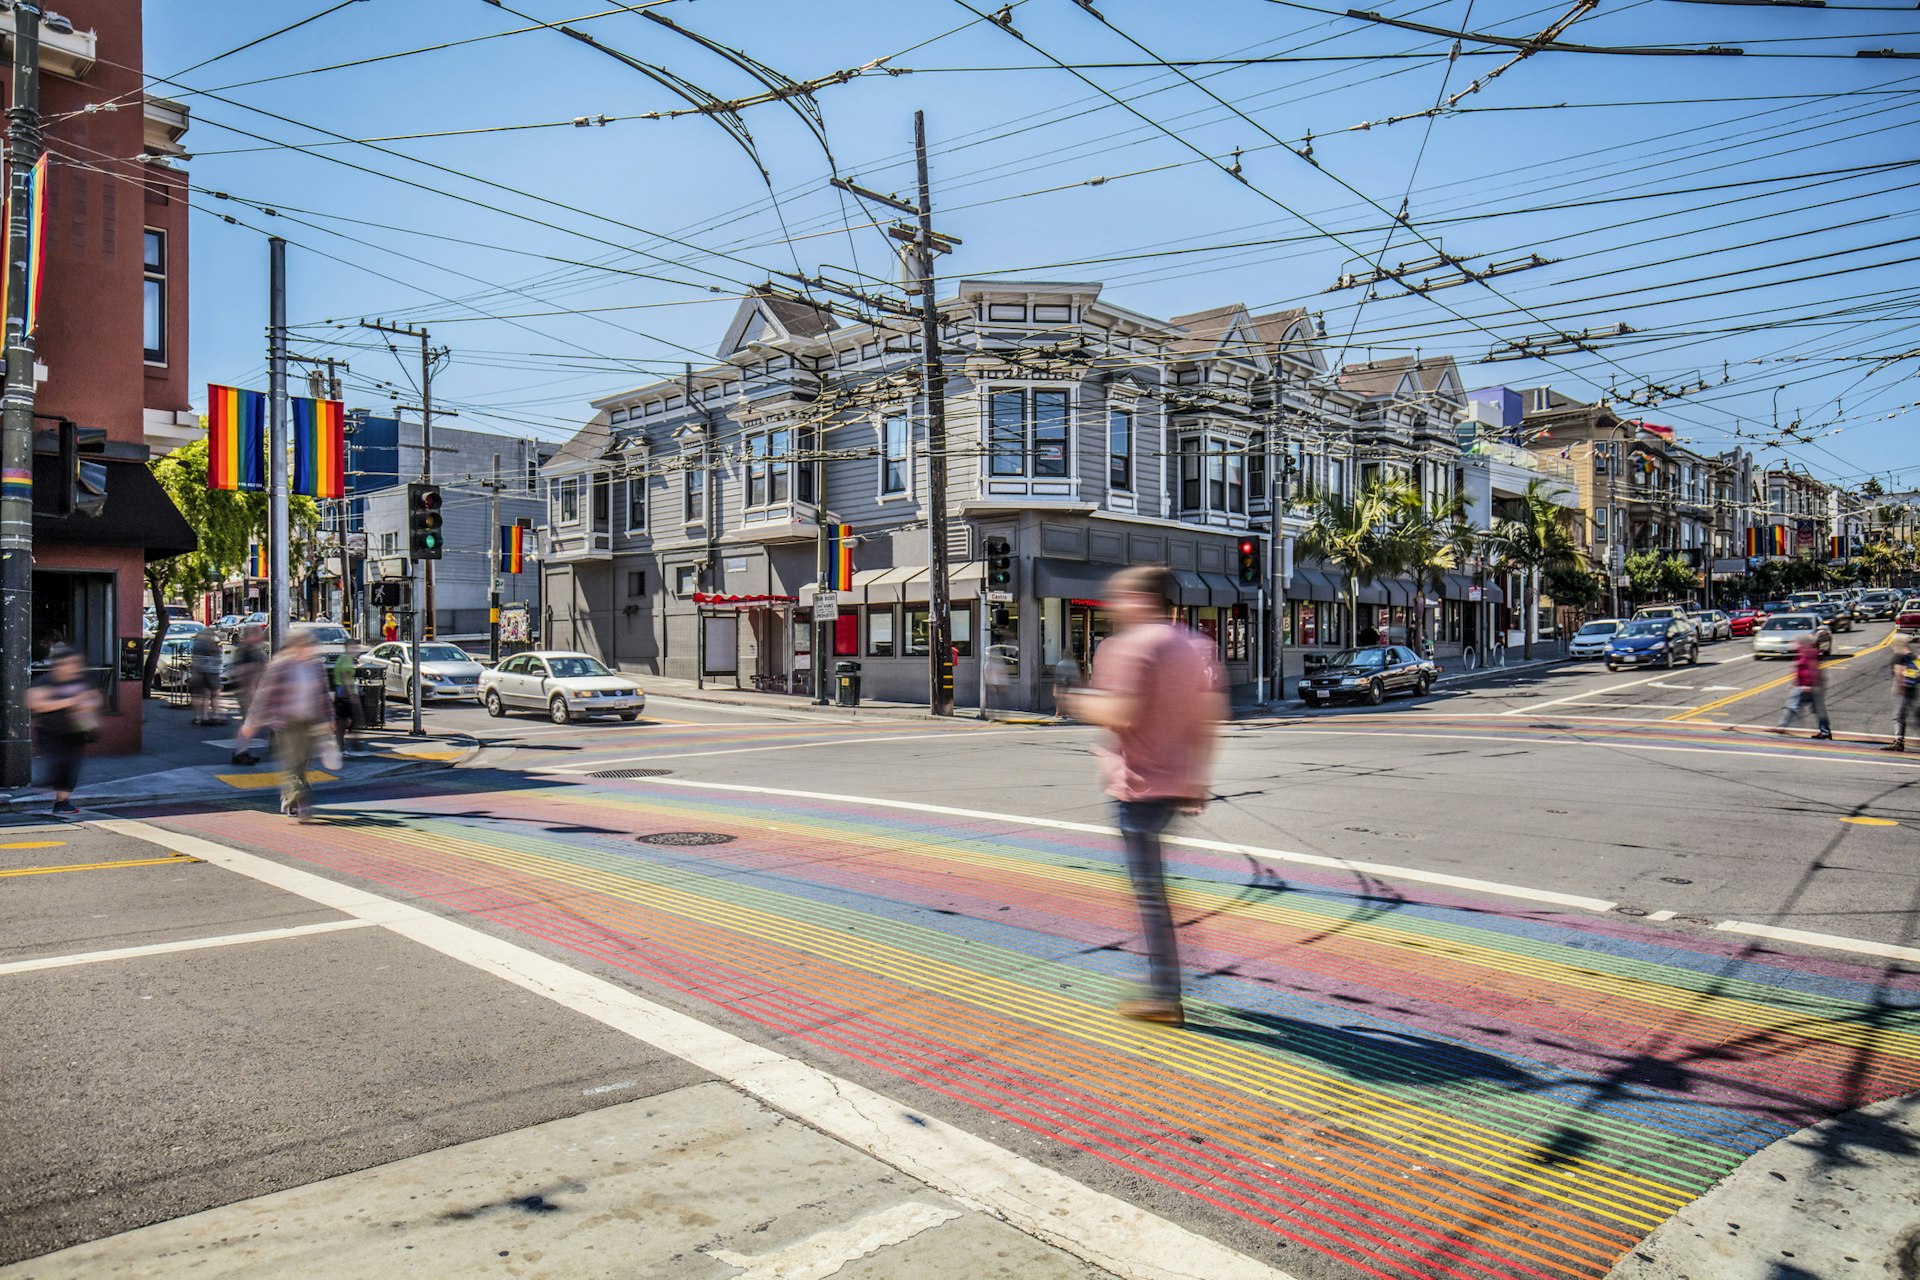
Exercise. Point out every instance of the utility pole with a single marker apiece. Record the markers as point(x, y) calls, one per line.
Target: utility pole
point(925, 243)
point(494, 569)
point(278, 522)
point(16, 418)
point(425, 409)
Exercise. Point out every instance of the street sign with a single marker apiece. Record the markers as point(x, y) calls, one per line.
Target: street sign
point(395, 567)
point(1476, 594)
point(356, 544)
point(999, 597)
point(826, 607)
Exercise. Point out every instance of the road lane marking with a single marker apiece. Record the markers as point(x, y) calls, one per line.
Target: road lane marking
point(1832, 942)
point(825, 1253)
point(1744, 694)
point(1104, 1230)
point(1533, 707)
point(1627, 744)
point(1871, 822)
point(271, 778)
point(1191, 842)
point(34, 844)
point(185, 944)
point(171, 860)
point(594, 766)
point(1634, 706)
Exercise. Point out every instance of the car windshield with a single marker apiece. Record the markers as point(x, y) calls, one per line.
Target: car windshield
point(1599, 628)
point(443, 653)
point(1645, 627)
point(1789, 622)
point(1360, 658)
point(575, 668)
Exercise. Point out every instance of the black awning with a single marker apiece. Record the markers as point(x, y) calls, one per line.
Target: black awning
point(1072, 579)
point(137, 513)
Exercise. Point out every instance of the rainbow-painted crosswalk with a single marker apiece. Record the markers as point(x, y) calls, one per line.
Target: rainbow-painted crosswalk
point(1403, 1085)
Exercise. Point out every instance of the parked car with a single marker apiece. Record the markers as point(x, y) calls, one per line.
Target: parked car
point(1590, 641)
point(1772, 607)
point(1676, 611)
point(1741, 622)
point(1712, 625)
point(1837, 616)
point(184, 628)
point(1370, 674)
point(1781, 634)
point(1658, 641)
point(1804, 600)
point(446, 671)
point(567, 686)
point(1908, 619)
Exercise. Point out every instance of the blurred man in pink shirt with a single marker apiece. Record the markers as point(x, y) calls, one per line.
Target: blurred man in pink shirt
point(1156, 691)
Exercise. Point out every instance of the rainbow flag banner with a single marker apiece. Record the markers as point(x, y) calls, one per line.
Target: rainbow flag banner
point(513, 548)
point(319, 448)
point(236, 439)
point(257, 560)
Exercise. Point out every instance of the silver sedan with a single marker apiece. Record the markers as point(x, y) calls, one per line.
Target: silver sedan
point(447, 672)
point(1781, 635)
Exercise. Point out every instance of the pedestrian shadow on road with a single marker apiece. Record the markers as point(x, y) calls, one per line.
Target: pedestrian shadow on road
point(1374, 1054)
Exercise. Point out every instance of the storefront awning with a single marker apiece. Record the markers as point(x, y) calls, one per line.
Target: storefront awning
point(1457, 586)
point(1071, 579)
point(1223, 590)
point(713, 600)
point(963, 583)
point(1313, 584)
point(1193, 588)
point(887, 585)
point(137, 512)
point(1374, 592)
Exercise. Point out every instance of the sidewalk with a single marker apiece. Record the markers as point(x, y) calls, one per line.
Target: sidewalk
point(185, 761)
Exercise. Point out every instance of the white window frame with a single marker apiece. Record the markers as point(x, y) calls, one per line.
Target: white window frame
point(889, 459)
point(155, 275)
point(636, 488)
point(566, 494)
point(1027, 456)
point(1131, 455)
point(693, 497)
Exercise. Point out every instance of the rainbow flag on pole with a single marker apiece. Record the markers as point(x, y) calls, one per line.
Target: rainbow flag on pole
point(513, 548)
point(236, 439)
point(319, 448)
point(256, 560)
point(36, 237)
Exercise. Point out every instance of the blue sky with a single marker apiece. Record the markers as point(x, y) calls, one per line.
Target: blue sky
point(1751, 217)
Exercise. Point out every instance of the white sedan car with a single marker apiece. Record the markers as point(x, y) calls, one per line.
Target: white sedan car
point(446, 671)
point(1591, 640)
point(567, 686)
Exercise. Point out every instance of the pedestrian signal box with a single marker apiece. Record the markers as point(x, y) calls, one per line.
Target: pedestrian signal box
point(426, 538)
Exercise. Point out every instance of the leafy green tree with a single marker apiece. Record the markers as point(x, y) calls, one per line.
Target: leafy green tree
point(1434, 539)
point(1677, 577)
point(1802, 573)
point(1358, 535)
point(1878, 562)
point(1573, 586)
point(1533, 542)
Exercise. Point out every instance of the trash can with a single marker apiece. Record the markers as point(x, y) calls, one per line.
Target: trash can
point(847, 682)
point(371, 683)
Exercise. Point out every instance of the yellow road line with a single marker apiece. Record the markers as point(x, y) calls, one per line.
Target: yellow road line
point(172, 859)
point(34, 844)
point(260, 781)
point(1871, 822)
point(1732, 698)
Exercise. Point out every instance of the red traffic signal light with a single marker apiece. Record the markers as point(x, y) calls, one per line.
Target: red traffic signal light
point(1250, 561)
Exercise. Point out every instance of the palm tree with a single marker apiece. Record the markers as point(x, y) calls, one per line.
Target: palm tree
point(1434, 540)
point(1533, 542)
point(1357, 535)
point(1878, 562)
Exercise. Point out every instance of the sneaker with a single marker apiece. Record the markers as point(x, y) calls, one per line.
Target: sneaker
point(1824, 734)
point(1895, 746)
point(1168, 1012)
point(63, 807)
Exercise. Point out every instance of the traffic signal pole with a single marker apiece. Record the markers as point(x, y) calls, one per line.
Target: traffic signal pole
point(16, 421)
point(278, 519)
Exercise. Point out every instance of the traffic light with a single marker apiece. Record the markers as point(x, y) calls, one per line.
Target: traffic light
point(999, 564)
point(83, 483)
point(1250, 561)
point(425, 538)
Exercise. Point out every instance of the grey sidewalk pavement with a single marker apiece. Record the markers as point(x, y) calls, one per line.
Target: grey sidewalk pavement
point(186, 761)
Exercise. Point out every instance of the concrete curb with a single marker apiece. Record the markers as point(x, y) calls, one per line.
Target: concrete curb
point(127, 791)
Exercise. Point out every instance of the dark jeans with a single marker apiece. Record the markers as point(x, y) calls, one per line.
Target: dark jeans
point(60, 757)
point(1141, 822)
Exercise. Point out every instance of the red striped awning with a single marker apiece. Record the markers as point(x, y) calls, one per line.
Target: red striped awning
point(712, 599)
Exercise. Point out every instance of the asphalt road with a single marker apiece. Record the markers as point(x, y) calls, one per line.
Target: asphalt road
point(1461, 1007)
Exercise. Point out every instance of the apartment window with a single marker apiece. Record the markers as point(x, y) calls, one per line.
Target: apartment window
point(1027, 433)
point(636, 582)
point(389, 543)
point(1120, 450)
point(769, 474)
point(880, 631)
point(1190, 474)
point(686, 580)
point(1600, 523)
point(1257, 467)
point(636, 505)
point(602, 501)
point(895, 438)
point(1337, 476)
point(155, 304)
point(696, 493)
point(566, 501)
point(1236, 481)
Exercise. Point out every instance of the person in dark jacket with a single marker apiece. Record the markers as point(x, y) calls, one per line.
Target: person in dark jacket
point(66, 717)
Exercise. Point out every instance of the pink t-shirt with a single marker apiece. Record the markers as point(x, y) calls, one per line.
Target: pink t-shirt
point(1171, 672)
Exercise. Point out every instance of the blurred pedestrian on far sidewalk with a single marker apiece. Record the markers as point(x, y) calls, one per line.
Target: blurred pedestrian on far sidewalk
point(209, 666)
point(65, 707)
point(292, 704)
point(1156, 690)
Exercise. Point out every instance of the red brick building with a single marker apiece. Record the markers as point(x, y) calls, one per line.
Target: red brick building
point(111, 345)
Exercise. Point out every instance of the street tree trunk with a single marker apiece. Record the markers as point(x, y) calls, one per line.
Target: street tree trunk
point(152, 662)
point(1353, 610)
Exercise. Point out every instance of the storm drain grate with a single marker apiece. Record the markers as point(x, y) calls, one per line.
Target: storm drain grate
point(631, 773)
point(683, 839)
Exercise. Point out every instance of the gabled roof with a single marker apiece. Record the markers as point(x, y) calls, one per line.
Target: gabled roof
point(766, 317)
point(1290, 332)
point(1220, 331)
point(1403, 376)
point(588, 445)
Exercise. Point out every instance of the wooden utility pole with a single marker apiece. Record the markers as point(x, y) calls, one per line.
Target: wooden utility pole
point(16, 422)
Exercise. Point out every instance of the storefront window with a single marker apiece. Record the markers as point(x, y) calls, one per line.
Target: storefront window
point(1206, 620)
point(918, 626)
point(880, 631)
point(960, 629)
point(1239, 634)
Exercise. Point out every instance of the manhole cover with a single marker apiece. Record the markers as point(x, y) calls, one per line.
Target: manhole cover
point(631, 773)
point(1631, 911)
point(1675, 880)
point(682, 839)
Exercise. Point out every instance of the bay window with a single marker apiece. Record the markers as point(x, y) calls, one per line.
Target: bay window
point(1223, 463)
point(1027, 433)
point(1120, 450)
point(895, 442)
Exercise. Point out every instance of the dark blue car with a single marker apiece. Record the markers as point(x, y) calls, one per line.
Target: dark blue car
point(1648, 642)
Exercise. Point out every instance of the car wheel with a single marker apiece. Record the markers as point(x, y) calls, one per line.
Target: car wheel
point(557, 710)
point(1376, 693)
point(629, 716)
point(1612, 667)
point(1693, 657)
point(1425, 687)
point(1670, 659)
point(495, 707)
